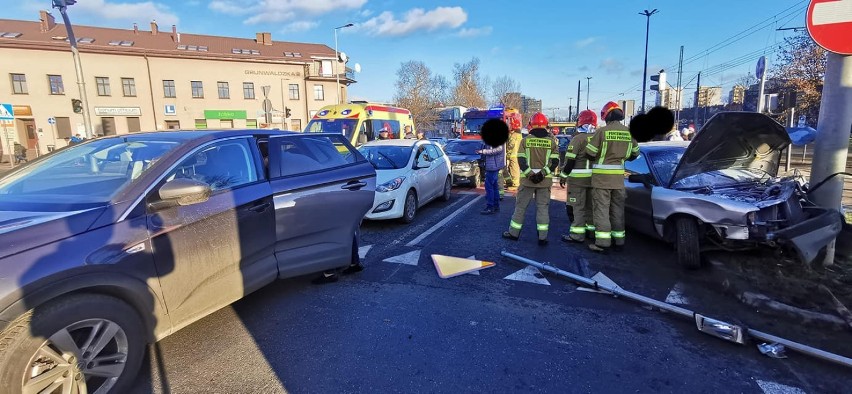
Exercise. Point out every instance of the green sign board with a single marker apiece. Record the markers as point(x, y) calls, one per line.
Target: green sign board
point(224, 114)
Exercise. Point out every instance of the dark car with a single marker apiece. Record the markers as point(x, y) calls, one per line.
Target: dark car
point(121, 241)
point(467, 165)
point(722, 191)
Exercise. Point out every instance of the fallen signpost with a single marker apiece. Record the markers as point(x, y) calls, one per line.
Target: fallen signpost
point(717, 328)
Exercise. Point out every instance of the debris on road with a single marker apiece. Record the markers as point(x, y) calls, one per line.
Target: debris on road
point(774, 350)
point(448, 266)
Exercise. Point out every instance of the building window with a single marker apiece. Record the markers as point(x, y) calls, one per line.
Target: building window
point(169, 88)
point(251, 123)
point(63, 127)
point(129, 87)
point(248, 90)
point(197, 89)
point(107, 126)
point(56, 86)
point(294, 91)
point(133, 125)
point(173, 124)
point(226, 123)
point(103, 86)
point(19, 84)
point(224, 91)
point(319, 93)
point(201, 123)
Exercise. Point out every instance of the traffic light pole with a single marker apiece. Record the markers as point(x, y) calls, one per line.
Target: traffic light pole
point(832, 142)
point(78, 67)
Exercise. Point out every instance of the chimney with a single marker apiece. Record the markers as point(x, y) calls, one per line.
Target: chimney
point(259, 38)
point(267, 38)
point(135, 28)
point(47, 21)
point(175, 35)
point(154, 28)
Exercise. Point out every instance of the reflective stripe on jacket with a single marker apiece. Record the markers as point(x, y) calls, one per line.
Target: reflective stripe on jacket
point(608, 148)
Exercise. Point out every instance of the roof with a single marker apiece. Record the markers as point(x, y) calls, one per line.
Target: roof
point(195, 134)
point(164, 43)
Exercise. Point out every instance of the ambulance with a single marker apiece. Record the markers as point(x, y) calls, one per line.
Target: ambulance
point(361, 122)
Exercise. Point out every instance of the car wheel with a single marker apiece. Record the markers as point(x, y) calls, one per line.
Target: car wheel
point(410, 209)
point(687, 243)
point(448, 185)
point(81, 343)
point(477, 180)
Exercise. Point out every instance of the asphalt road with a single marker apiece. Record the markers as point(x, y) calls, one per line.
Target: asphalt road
point(398, 327)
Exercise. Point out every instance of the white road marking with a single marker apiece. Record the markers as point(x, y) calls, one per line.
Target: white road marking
point(777, 388)
point(362, 251)
point(440, 224)
point(676, 296)
point(832, 12)
point(601, 279)
point(410, 258)
point(474, 272)
point(528, 275)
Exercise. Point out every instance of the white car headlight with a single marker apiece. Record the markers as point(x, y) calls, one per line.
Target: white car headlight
point(391, 185)
point(464, 166)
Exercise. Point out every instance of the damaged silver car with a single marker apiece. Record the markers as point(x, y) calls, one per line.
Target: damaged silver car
point(721, 190)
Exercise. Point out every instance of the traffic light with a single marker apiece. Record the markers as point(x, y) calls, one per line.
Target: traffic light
point(286, 112)
point(661, 79)
point(77, 106)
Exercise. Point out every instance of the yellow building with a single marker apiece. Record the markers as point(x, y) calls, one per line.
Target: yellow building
point(140, 80)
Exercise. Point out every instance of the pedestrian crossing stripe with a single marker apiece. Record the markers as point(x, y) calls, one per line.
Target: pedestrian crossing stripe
point(449, 267)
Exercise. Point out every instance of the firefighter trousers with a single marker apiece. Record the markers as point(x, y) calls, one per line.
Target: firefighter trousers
point(501, 183)
point(542, 210)
point(608, 208)
point(514, 171)
point(580, 200)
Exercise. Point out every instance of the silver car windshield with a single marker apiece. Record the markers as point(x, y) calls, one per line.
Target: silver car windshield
point(665, 162)
point(92, 172)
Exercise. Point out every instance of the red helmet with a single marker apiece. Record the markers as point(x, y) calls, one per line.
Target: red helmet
point(539, 121)
point(609, 107)
point(514, 123)
point(587, 116)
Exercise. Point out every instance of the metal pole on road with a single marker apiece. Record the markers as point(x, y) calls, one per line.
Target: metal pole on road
point(647, 15)
point(832, 142)
point(337, 59)
point(62, 5)
point(588, 89)
point(578, 99)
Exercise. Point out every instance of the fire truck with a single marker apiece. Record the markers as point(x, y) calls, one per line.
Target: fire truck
point(475, 118)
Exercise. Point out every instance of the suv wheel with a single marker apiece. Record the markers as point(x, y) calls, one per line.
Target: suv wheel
point(410, 209)
point(687, 243)
point(81, 343)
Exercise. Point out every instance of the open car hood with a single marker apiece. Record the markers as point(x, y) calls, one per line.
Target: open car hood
point(734, 140)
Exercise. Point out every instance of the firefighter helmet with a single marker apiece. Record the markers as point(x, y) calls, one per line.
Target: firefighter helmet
point(539, 121)
point(587, 116)
point(609, 107)
point(514, 123)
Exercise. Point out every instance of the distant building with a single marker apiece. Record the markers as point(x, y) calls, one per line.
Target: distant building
point(529, 106)
point(709, 96)
point(668, 97)
point(629, 107)
point(737, 95)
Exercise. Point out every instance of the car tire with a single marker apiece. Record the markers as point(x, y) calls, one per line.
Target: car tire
point(687, 243)
point(410, 209)
point(448, 185)
point(477, 180)
point(73, 318)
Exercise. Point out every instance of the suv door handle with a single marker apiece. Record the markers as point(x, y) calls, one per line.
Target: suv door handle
point(354, 185)
point(260, 207)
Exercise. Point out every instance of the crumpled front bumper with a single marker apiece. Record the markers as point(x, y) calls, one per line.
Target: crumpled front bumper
point(809, 236)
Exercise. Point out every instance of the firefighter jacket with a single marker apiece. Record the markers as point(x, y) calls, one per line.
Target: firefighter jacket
point(539, 151)
point(581, 173)
point(513, 144)
point(608, 148)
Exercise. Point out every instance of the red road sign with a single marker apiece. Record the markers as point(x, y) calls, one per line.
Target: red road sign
point(830, 24)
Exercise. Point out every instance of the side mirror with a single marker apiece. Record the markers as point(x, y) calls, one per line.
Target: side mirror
point(644, 179)
point(180, 192)
point(422, 163)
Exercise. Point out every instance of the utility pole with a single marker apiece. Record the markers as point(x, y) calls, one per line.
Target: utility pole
point(62, 5)
point(647, 15)
point(588, 89)
point(578, 98)
point(697, 100)
point(832, 143)
point(679, 88)
point(337, 59)
point(570, 108)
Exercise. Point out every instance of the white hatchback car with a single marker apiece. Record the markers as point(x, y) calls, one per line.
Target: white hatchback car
point(410, 173)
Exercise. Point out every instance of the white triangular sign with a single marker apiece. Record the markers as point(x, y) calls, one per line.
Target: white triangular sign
point(474, 272)
point(528, 275)
point(410, 258)
point(362, 251)
point(601, 279)
point(676, 296)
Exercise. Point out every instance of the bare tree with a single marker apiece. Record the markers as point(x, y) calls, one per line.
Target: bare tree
point(801, 68)
point(506, 91)
point(469, 90)
point(419, 91)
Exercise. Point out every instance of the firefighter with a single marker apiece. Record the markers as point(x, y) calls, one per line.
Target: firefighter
point(577, 172)
point(608, 148)
point(512, 146)
point(538, 159)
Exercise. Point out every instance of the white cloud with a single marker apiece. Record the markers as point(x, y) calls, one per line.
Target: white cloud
point(414, 20)
point(612, 65)
point(475, 31)
point(127, 11)
point(271, 11)
point(585, 42)
point(366, 13)
point(299, 26)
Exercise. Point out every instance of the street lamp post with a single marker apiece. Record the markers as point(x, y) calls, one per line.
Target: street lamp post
point(587, 91)
point(62, 5)
point(645, 69)
point(337, 58)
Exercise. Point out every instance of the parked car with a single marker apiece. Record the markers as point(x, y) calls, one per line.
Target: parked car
point(468, 166)
point(721, 190)
point(121, 241)
point(440, 141)
point(410, 174)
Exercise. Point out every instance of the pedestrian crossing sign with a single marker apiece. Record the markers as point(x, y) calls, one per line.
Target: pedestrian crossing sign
point(6, 112)
point(449, 267)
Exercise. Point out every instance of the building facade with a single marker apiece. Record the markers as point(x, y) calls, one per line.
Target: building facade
point(668, 97)
point(151, 80)
point(737, 95)
point(708, 96)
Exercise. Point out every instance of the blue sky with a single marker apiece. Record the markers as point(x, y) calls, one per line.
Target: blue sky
point(547, 46)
